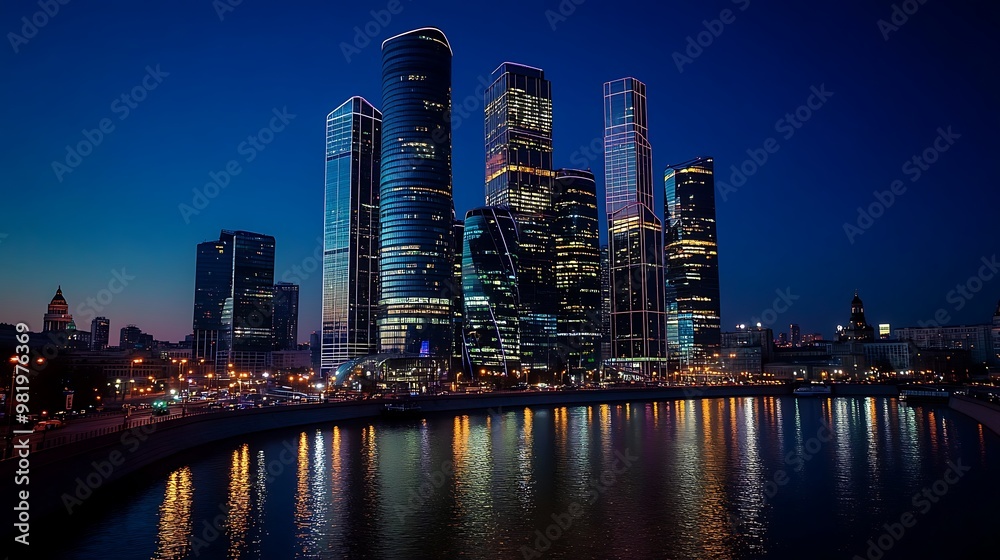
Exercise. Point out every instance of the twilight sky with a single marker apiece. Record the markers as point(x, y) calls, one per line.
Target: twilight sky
point(202, 84)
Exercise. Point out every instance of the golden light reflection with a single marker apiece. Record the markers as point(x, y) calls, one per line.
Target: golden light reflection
point(302, 513)
point(238, 503)
point(174, 529)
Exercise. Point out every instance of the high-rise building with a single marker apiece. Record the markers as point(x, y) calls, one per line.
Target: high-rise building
point(58, 317)
point(131, 337)
point(233, 303)
point(519, 175)
point(458, 311)
point(577, 268)
point(100, 330)
point(416, 207)
point(795, 335)
point(285, 318)
point(635, 236)
point(857, 329)
point(351, 233)
point(490, 292)
point(692, 264)
point(605, 303)
point(212, 286)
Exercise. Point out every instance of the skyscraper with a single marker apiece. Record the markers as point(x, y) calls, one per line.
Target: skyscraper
point(605, 303)
point(795, 335)
point(416, 207)
point(577, 267)
point(635, 237)
point(692, 264)
point(458, 310)
point(234, 296)
point(57, 318)
point(212, 286)
point(351, 233)
point(285, 318)
point(100, 330)
point(518, 137)
point(489, 288)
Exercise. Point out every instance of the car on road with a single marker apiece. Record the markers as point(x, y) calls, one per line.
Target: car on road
point(49, 425)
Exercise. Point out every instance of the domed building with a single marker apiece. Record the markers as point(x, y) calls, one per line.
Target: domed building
point(58, 318)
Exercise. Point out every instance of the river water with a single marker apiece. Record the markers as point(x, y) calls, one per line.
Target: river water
point(737, 478)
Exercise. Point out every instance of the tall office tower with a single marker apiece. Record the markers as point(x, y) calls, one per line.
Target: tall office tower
point(212, 285)
point(518, 123)
point(490, 292)
point(416, 207)
point(635, 237)
point(458, 313)
point(57, 318)
point(575, 235)
point(285, 317)
point(100, 331)
point(351, 233)
point(251, 300)
point(795, 335)
point(233, 302)
point(692, 265)
point(605, 303)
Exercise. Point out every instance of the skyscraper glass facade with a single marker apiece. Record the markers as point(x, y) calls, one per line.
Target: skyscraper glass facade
point(519, 176)
point(577, 267)
point(635, 237)
point(416, 208)
point(351, 233)
point(489, 288)
point(692, 263)
point(285, 319)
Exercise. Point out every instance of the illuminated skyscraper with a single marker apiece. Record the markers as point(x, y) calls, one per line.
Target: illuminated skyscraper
point(577, 267)
point(233, 301)
point(416, 208)
point(635, 236)
point(100, 331)
point(351, 233)
point(458, 312)
point(490, 292)
point(692, 264)
point(518, 123)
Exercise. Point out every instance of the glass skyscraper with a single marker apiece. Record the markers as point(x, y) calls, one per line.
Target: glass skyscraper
point(416, 207)
point(233, 302)
point(577, 267)
point(692, 265)
point(490, 292)
point(635, 237)
point(519, 176)
point(351, 233)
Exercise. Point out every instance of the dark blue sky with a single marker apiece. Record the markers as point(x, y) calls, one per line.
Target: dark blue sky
point(781, 230)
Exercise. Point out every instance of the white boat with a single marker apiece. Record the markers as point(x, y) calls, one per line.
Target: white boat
point(812, 391)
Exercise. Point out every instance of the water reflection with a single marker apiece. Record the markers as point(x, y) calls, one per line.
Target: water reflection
point(715, 478)
point(175, 516)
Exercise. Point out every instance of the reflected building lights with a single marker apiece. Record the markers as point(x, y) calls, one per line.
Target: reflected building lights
point(175, 524)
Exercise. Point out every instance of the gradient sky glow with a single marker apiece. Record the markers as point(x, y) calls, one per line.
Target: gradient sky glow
point(783, 229)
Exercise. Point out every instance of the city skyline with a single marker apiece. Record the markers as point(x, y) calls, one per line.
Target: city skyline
point(84, 271)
